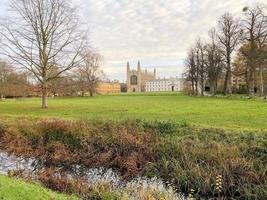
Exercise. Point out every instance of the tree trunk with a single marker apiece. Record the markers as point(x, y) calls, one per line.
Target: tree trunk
point(193, 87)
point(215, 87)
point(196, 88)
point(212, 88)
point(261, 82)
point(225, 83)
point(247, 80)
point(251, 83)
point(202, 87)
point(230, 81)
point(91, 93)
point(44, 98)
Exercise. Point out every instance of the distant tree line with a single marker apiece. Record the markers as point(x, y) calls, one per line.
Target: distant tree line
point(46, 39)
point(12, 83)
point(236, 46)
point(77, 82)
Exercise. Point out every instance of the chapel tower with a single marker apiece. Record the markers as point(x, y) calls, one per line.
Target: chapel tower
point(136, 78)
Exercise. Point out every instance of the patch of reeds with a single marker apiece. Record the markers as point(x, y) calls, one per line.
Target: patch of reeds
point(189, 158)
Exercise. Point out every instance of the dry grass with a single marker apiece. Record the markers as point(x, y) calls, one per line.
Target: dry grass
point(188, 158)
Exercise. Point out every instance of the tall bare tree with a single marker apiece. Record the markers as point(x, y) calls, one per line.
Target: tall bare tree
point(213, 61)
point(200, 48)
point(12, 83)
point(229, 35)
point(89, 71)
point(191, 74)
point(255, 36)
point(42, 34)
point(240, 70)
point(5, 72)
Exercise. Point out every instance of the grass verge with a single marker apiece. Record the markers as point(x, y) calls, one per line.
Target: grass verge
point(15, 189)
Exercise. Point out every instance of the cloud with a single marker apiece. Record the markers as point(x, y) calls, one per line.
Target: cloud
point(157, 32)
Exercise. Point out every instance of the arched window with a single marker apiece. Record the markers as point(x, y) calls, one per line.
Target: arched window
point(133, 80)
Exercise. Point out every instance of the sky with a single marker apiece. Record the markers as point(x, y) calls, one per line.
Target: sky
point(156, 32)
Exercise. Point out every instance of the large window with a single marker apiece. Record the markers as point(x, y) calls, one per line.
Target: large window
point(133, 80)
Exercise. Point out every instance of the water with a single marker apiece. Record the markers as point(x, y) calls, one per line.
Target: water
point(11, 163)
point(92, 176)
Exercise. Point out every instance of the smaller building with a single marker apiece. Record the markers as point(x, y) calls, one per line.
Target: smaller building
point(165, 85)
point(108, 88)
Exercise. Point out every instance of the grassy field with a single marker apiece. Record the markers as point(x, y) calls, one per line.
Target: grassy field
point(13, 189)
point(214, 112)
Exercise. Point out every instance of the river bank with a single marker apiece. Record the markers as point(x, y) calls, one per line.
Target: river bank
point(203, 163)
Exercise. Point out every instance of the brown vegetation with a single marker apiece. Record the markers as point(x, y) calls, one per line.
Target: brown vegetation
point(187, 157)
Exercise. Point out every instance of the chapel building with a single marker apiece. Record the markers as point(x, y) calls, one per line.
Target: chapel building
point(136, 79)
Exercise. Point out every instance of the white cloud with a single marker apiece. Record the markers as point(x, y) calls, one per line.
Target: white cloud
point(157, 32)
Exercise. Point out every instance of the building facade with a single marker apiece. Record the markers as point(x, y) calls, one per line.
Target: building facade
point(165, 85)
point(108, 88)
point(136, 79)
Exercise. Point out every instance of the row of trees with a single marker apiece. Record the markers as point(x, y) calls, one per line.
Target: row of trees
point(46, 39)
point(234, 43)
point(13, 83)
point(83, 79)
point(79, 81)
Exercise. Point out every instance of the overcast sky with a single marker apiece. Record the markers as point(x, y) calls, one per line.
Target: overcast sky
point(156, 32)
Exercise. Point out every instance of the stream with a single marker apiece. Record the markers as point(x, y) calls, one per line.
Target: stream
point(10, 163)
point(92, 176)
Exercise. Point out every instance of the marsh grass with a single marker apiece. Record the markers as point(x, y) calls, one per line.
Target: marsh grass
point(186, 157)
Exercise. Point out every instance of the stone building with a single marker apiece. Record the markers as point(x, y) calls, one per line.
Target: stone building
point(165, 85)
point(108, 88)
point(136, 79)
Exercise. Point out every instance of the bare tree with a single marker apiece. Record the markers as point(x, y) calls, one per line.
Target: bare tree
point(213, 61)
point(5, 72)
point(228, 34)
point(200, 48)
point(240, 69)
point(64, 86)
point(40, 35)
point(191, 74)
point(89, 71)
point(255, 36)
point(12, 83)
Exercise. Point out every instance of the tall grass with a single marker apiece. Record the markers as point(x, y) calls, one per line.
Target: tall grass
point(190, 159)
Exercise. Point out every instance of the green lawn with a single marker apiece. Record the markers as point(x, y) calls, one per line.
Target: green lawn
point(206, 111)
point(13, 189)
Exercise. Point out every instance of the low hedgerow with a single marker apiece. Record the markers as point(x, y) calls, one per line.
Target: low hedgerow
point(202, 162)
